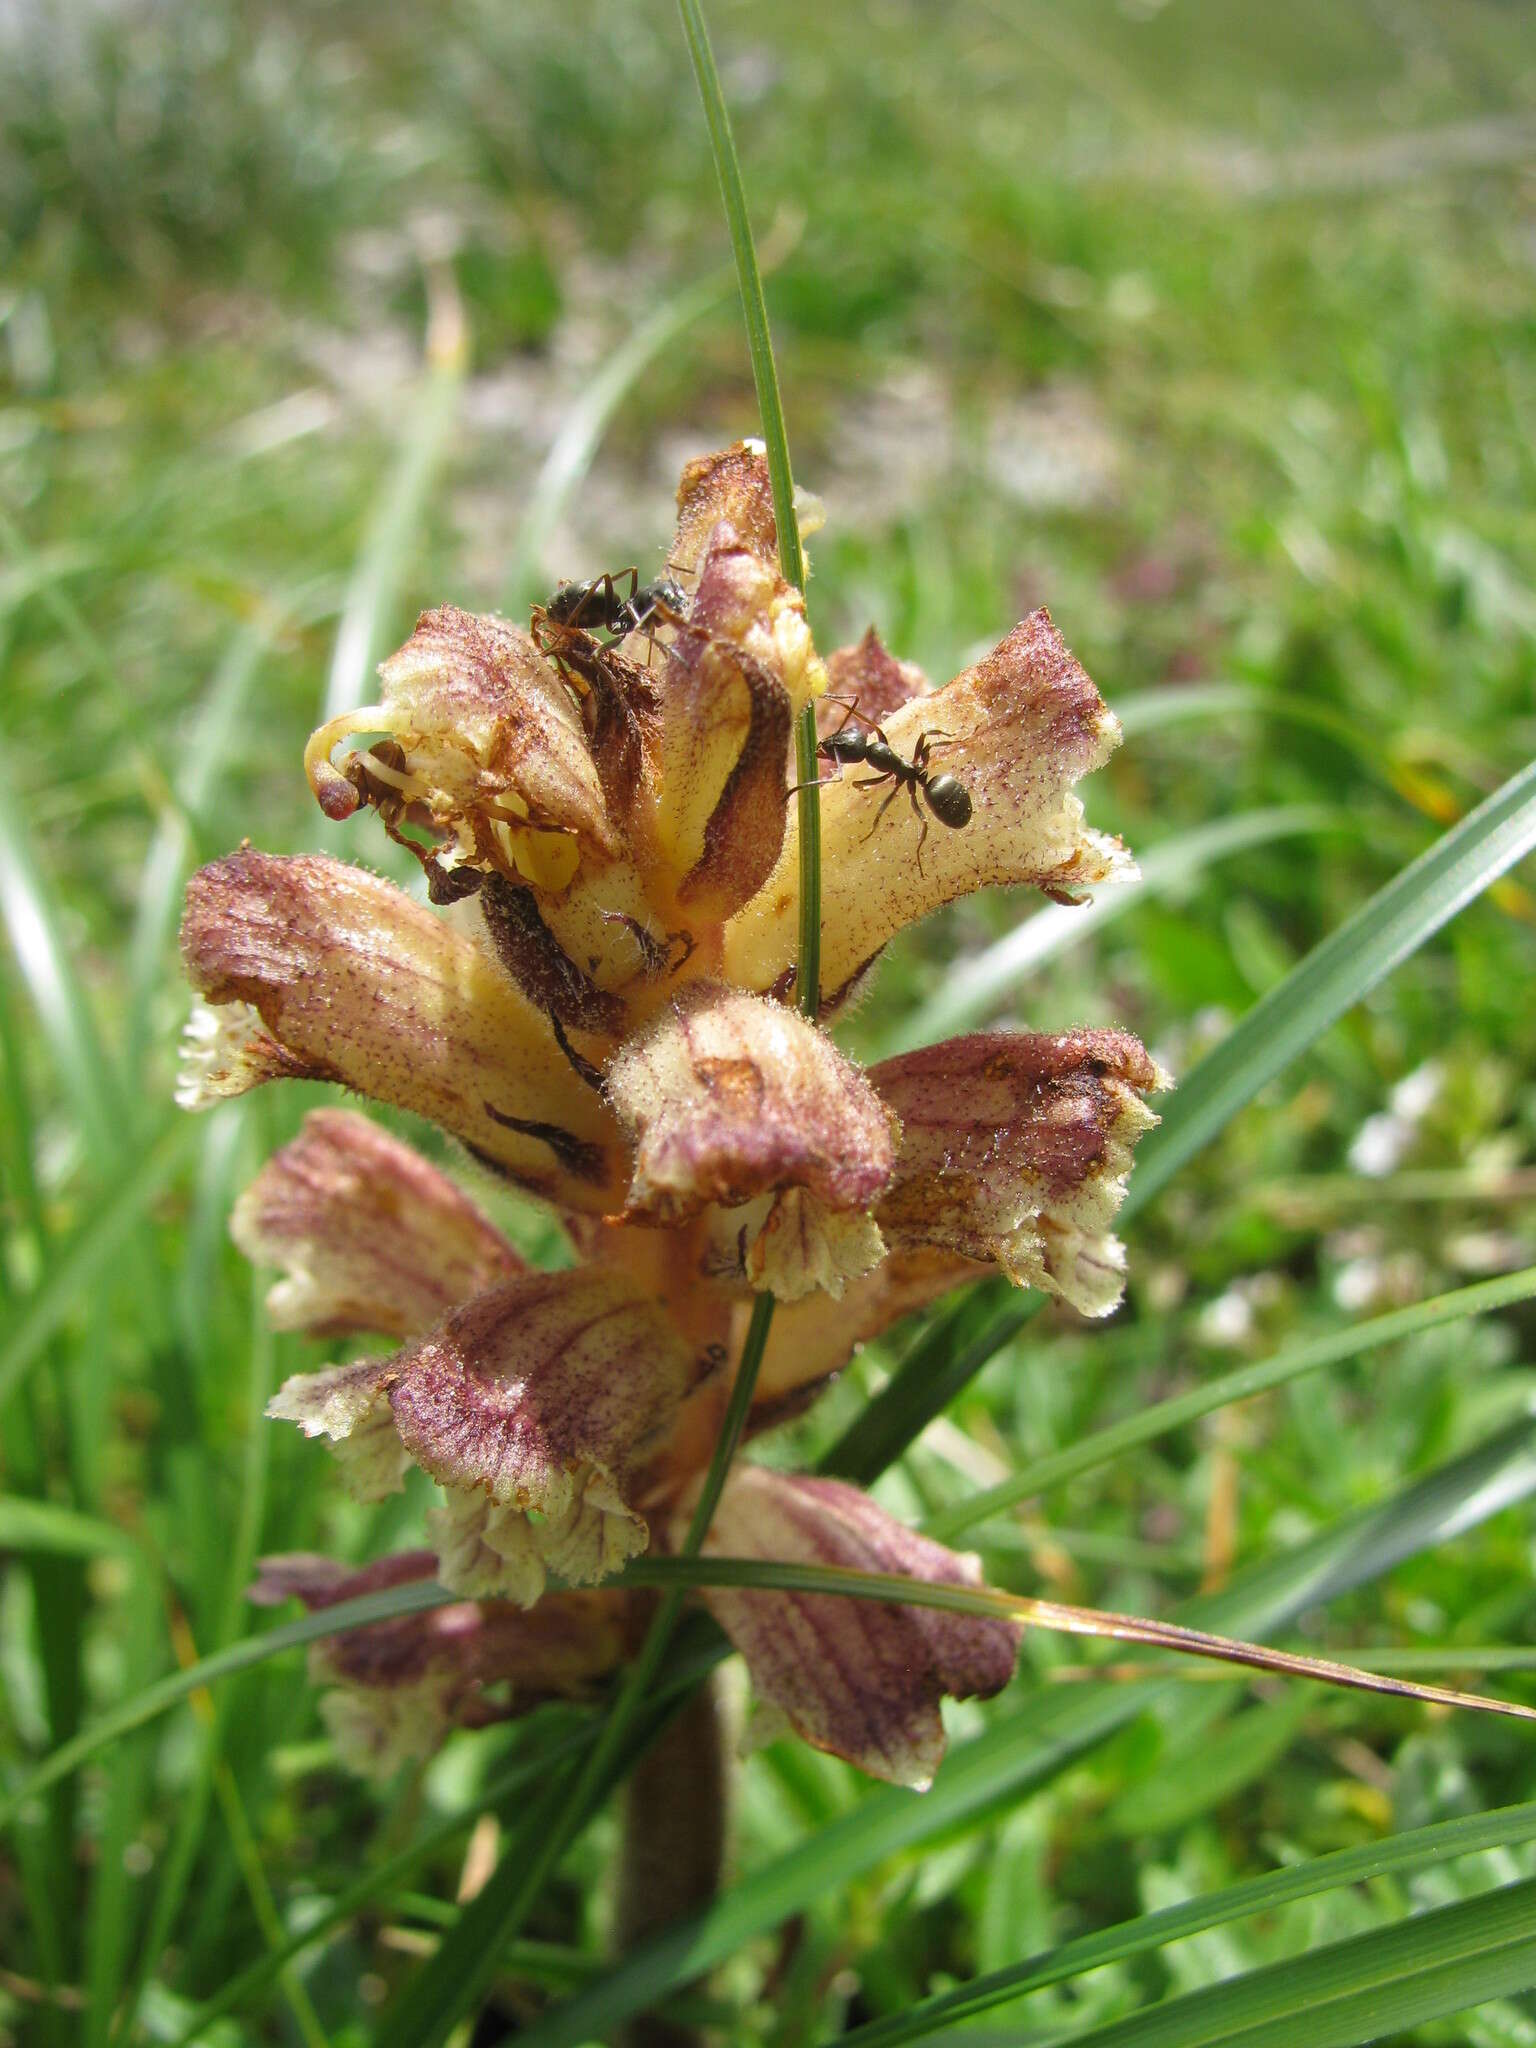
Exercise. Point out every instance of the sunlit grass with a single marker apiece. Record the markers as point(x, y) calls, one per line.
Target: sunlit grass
point(1190, 323)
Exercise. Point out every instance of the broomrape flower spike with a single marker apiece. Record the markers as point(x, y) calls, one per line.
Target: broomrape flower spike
point(597, 1004)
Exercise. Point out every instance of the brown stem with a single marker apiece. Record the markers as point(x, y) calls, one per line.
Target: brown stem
point(673, 1844)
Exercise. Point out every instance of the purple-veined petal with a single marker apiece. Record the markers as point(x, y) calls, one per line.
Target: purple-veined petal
point(353, 981)
point(1015, 1150)
point(368, 1235)
point(860, 1678)
point(533, 1405)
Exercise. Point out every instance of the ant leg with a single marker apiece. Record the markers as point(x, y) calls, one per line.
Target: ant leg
point(820, 782)
point(895, 792)
point(654, 955)
point(850, 711)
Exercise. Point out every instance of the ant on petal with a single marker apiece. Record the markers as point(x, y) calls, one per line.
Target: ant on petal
point(598, 604)
point(867, 746)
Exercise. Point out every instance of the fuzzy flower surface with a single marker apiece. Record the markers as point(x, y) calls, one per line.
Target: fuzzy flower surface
point(596, 1003)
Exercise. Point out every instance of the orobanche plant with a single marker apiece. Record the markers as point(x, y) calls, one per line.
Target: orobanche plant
point(597, 1004)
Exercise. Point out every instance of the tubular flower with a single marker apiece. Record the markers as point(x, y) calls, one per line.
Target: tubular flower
point(397, 1687)
point(603, 1021)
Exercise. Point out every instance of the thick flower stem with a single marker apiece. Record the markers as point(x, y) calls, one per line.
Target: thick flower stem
point(673, 1843)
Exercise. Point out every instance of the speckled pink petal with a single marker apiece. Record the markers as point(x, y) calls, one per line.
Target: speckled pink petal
point(369, 1237)
point(401, 1685)
point(732, 484)
point(349, 979)
point(735, 1101)
point(1018, 730)
point(869, 681)
point(539, 1398)
point(859, 1678)
point(1015, 1150)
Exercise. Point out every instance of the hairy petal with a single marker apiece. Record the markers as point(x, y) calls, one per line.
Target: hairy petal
point(794, 1245)
point(858, 1678)
point(1021, 727)
point(349, 1406)
point(727, 1096)
point(811, 1340)
point(734, 1100)
point(401, 1685)
point(486, 752)
point(871, 681)
point(228, 1051)
point(357, 983)
point(1015, 1149)
point(544, 1394)
point(369, 1236)
point(731, 485)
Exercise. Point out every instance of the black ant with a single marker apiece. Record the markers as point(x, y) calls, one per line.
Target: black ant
point(598, 603)
point(867, 746)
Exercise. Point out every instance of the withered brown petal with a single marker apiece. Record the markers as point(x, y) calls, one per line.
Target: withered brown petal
point(369, 1236)
point(356, 982)
point(489, 753)
point(860, 1678)
point(734, 485)
point(1017, 731)
point(1015, 1149)
point(871, 681)
point(733, 676)
point(408, 1680)
point(730, 1097)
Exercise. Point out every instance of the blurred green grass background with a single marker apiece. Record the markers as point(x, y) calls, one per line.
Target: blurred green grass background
point(1209, 326)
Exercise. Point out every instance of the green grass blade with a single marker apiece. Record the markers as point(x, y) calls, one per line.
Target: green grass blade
point(1023, 1749)
point(1346, 966)
point(170, 1691)
point(1420, 1849)
point(82, 1258)
point(358, 1897)
point(72, 623)
point(37, 943)
point(234, 1557)
point(43, 1525)
point(753, 304)
point(941, 1364)
point(1335, 975)
point(1423, 1968)
point(1104, 1444)
point(978, 985)
point(573, 449)
point(402, 500)
point(115, 1896)
point(770, 408)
